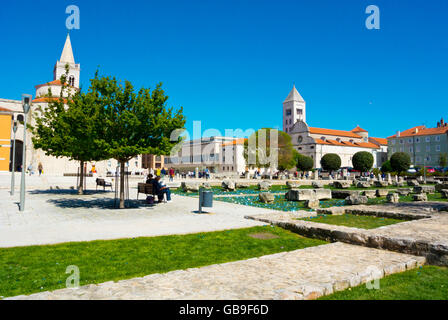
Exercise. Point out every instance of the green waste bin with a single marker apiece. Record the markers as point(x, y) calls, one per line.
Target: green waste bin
point(205, 199)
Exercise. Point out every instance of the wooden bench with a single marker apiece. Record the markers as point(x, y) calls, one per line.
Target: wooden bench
point(103, 183)
point(145, 188)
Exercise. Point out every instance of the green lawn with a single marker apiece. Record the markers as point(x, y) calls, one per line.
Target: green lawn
point(26, 270)
point(425, 283)
point(350, 220)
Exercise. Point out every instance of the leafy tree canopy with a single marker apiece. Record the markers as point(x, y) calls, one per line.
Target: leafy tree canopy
point(362, 161)
point(400, 161)
point(330, 162)
point(305, 163)
point(270, 148)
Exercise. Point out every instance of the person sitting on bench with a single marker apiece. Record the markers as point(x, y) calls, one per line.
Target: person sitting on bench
point(161, 190)
point(149, 179)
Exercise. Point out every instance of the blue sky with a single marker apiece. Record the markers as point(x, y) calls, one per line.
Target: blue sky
point(232, 63)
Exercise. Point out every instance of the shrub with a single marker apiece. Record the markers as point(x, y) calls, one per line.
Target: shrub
point(362, 161)
point(304, 163)
point(330, 162)
point(400, 161)
point(386, 167)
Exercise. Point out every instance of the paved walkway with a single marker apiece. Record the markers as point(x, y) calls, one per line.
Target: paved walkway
point(62, 216)
point(427, 236)
point(301, 274)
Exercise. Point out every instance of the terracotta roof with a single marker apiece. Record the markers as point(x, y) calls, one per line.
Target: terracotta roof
point(381, 141)
point(47, 99)
point(234, 142)
point(320, 141)
point(53, 83)
point(334, 132)
point(421, 131)
point(347, 144)
point(4, 109)
point(335, 142)
point(359, 129)
point(367, 145)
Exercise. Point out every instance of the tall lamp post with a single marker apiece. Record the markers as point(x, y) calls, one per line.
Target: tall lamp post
point(13, 164)
point(26, 101)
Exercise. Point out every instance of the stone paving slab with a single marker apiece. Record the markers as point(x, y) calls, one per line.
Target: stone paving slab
point(427, 236)
point(302, 274)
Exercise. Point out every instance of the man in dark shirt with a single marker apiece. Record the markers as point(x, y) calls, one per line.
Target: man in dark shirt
point(160, 190)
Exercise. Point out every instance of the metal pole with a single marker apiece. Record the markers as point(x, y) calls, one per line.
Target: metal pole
point(13, 164)
point(424, 168)
point(22, 183)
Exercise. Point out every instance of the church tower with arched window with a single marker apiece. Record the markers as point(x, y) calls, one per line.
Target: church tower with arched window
point(67, 58)
point(294, 109)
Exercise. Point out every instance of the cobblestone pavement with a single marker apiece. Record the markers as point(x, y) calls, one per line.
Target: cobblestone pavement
point(302, 274)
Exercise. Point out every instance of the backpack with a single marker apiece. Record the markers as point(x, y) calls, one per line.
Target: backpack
point(150, 200)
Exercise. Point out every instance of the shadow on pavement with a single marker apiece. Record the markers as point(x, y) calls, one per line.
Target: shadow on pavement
point(69, 191)
point(104, 203)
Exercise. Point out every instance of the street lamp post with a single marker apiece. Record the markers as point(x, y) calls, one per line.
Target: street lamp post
point(26, 101)
point(13, 164)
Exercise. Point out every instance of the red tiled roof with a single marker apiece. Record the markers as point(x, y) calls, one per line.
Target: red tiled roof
point(52, 83)
point(347, 143)
point(367, 145)
point(359, 129)
point(381, 141)
point(421, 131)
point(47, 99)
point(234, 142)
point(332, 132)
point(4, 109)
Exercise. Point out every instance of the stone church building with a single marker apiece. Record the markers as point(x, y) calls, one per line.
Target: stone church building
point(316, 142)
point(11, 110)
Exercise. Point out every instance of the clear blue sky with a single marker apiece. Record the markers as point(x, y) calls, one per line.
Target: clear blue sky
point(232, 63)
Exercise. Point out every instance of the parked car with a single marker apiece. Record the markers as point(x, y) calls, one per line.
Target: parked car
point(412, 170)
point(430, 169)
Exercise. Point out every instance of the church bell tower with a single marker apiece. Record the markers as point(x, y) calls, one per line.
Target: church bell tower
point(294, 109)
point(67, 58)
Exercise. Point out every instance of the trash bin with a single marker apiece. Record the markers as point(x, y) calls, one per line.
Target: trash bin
point(205, 199)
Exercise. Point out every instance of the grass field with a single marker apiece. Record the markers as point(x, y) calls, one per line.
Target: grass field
point(26, 270)
point(425, 283)
point(349, 220)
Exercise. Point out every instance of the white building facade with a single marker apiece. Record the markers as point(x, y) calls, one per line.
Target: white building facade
point(217, 154)
point(316, 142)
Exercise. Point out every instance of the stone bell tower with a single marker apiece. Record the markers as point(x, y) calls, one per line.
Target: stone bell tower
point(294, 109)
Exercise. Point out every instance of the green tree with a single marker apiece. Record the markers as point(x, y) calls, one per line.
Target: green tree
point(260, 147)
point(362, 161)
point(443, 160)
point(68, 127)
point(400, 162)
point(386, 167)
point(330, 162)
point(133, 122)
point(305, 163)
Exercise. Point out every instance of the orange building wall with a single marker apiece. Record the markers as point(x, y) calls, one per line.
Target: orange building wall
point(5, 141)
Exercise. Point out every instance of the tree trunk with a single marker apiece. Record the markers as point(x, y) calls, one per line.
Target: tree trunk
point(122, 185)
point(81, 179)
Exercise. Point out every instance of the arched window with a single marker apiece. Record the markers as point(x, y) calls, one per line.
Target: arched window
point(71, 81)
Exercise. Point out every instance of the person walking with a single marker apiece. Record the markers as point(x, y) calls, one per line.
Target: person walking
point(171, 173)
point(40, 168)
